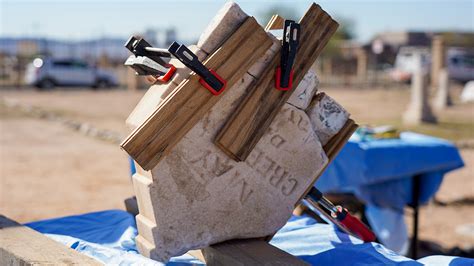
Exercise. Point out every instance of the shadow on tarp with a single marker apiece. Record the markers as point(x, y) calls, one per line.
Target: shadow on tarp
point(374, 254)
point(367, 254)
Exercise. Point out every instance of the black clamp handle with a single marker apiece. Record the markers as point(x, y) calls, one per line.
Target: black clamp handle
point(284, 73)
point(209, 78)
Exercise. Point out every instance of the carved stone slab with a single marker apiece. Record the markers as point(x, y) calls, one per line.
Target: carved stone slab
point(197, 196)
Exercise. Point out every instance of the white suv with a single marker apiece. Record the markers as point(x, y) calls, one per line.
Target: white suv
point(47, 73)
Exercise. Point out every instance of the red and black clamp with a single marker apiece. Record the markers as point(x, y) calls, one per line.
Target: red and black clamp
point(209, 78)
point(342, 216)
point(147, 60)
point(284, 73)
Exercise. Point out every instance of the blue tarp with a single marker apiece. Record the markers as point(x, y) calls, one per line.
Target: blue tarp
point(108, 236)
point(380, 171)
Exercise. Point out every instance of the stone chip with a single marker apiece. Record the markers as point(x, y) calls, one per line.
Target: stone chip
point(304, 92)
point(327, 117)
point(226, 21)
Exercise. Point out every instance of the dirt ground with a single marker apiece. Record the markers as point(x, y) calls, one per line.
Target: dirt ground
point(48, 170)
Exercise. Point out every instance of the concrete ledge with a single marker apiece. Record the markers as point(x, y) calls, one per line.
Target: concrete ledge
point(20, 245)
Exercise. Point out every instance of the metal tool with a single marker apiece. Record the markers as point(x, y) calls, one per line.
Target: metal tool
point(148, 60)
point(284, 73)
point(342, 216)
point(209, 78)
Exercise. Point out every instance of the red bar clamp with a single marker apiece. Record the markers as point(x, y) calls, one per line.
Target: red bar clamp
point(210, 88)
point(209, 78)
point(278, 80)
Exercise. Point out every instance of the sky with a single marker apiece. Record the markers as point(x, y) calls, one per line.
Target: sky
point(89, 19)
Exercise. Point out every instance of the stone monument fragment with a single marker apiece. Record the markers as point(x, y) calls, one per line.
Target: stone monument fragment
point(197, 195)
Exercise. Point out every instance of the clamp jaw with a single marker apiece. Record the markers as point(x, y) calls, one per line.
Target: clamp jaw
point(147, 60)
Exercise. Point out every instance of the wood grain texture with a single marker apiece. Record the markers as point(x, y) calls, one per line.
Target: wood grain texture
point(275, 23)
point(188, 103)
point(248, 252)
point(256, 112)
point(20, 245)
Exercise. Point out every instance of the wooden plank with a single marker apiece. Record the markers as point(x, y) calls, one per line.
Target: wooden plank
point(188, 103)
point(20, 245)
point(275, 23)
point(197, 253)
point(248, 252)
point(253, 117)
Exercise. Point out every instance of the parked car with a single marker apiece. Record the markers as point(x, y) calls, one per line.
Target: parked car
point(48, 72)
point(406, 63)
point(459, 62)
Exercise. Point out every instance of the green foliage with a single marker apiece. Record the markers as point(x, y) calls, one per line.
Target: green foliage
point(459, 39)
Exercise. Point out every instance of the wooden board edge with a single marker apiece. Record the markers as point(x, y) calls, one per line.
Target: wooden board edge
point(276, 22)
point(248, 252)
point(21, 245)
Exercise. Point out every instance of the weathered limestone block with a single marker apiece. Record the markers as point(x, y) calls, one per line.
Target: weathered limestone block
point(257, 68)
point(301, 97)
point(227, 20)
point(199, 196)
point(327, 117)
point(182, 72)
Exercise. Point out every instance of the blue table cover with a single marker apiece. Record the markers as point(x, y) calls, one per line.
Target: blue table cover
point(108, 236)
point(380, 171)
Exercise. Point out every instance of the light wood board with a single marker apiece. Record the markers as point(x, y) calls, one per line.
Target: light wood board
point(254, 115)
point(190, 101)
point(275, 23)
point(20, 245)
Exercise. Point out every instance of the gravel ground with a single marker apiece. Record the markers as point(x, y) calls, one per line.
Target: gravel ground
point(49, 171)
